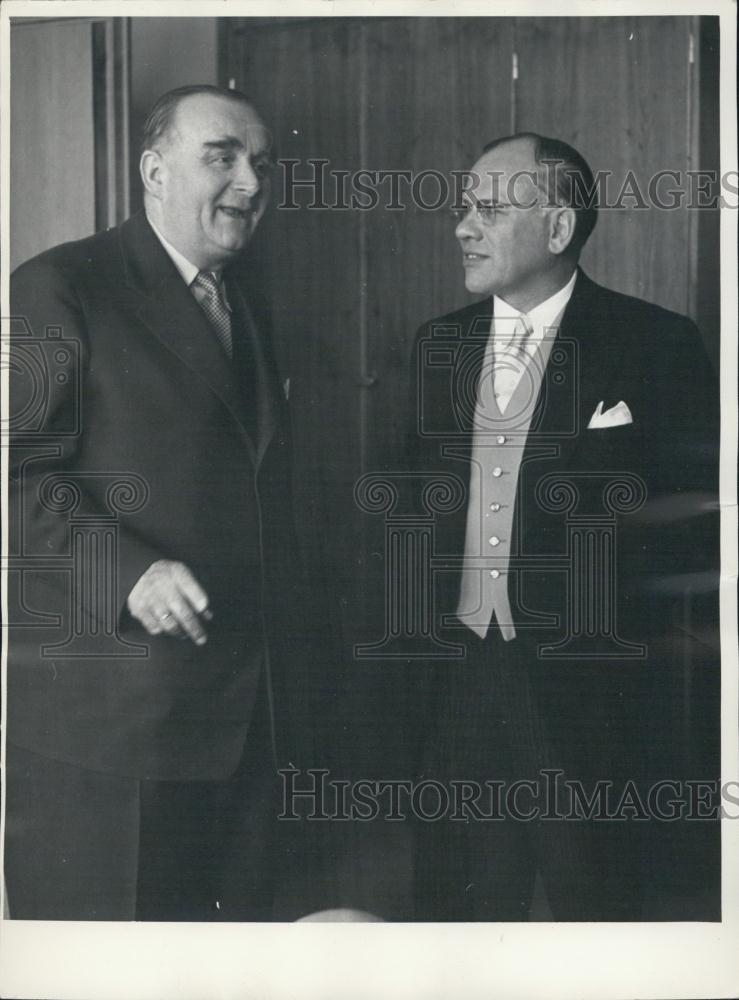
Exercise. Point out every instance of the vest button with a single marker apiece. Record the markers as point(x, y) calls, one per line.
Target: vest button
point(495, 507)
point(495, 573)
point(494, 540)
point(497, 471)
point(501, 439)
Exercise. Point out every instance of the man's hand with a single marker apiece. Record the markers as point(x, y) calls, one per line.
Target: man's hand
point(168, 598)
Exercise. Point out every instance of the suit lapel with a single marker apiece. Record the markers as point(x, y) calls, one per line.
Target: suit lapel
point(450, 362)
point(468, 367)
point(168, 309)
point(174, 317)
point(582, 365)
point(580, 368)
point(268, 392)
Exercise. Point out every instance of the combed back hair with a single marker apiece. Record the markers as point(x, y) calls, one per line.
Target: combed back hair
point(161, 117)
point(569, 181)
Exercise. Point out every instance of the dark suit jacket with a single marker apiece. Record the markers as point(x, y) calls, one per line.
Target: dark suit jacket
point(610, 348)
point(117, 377)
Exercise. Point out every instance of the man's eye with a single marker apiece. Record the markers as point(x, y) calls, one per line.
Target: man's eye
point(263, 168)
point(459, 212)
point(488, 212)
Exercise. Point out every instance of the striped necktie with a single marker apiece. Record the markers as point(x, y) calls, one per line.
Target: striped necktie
point(212, 304)
point(510, 360)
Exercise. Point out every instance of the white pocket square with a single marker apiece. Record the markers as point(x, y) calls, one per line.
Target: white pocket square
point(615, 417)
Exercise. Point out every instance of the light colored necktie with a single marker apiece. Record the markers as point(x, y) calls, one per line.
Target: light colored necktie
point(215, 308)
point(509, 361)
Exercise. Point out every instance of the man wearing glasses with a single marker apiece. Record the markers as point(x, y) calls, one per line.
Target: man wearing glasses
point(582, 428)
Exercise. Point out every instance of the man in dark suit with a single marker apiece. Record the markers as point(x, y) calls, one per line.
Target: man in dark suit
point(157, 575)
point(579, 576)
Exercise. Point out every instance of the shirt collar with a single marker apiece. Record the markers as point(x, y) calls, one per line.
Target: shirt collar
point(186, 268)
point(188, 271)
point(543, 316)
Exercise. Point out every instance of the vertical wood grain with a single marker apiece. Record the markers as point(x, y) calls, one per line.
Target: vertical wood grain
point(440, 90)
point(304, 80)
point(617, 89)
point(52, 156)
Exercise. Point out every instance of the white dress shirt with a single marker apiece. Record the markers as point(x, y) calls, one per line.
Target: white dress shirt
point(189, 271)
point(542, 318)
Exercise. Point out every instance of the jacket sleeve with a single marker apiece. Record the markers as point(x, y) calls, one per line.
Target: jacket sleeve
point(49, 474)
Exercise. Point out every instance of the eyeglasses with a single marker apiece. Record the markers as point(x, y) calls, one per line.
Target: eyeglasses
point(487, 212)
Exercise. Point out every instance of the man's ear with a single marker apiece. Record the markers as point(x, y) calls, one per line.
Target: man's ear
point(152, 170)
point(561, 229)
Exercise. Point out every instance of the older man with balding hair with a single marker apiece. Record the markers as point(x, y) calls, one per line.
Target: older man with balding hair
point(141, 763)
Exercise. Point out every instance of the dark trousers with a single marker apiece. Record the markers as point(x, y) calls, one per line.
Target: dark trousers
point(81, 845)
point(507, 717)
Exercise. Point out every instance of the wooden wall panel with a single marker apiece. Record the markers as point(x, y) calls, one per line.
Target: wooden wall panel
point(350, 287)
point(431, 112)
point(304, 80)
point(52, 157)
point(617, 89)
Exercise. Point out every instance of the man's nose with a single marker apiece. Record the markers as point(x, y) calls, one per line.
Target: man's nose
point(468, 227)
point(245, 177)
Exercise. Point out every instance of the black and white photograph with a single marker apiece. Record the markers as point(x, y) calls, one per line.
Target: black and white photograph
point(369, 529)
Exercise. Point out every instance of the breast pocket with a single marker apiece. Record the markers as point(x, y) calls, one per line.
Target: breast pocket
point(613, 452)
point(611, 441)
